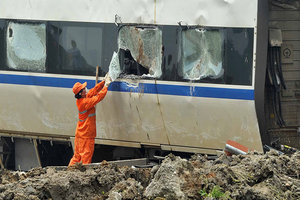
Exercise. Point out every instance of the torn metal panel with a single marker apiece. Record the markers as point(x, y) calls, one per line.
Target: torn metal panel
point(26, 46)
point(145, 46)
point(202, 54)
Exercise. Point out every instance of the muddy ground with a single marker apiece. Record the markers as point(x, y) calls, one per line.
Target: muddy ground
point(251, 176)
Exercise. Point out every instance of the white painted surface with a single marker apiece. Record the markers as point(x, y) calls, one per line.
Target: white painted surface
point(228, 13)
point(134, 117)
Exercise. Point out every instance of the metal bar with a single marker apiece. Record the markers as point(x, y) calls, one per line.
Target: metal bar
point(6, 160)
point(189, 149)
point(37, 152)
point(272, 20)
point(287, 64)
point(121, 163)
point(1, 163)
point(32, 134)
point(97, 70)
point(290, 70)
point(6, 144)
point(289, 29)
point(5, 153)
point(283, 130)
point(34, 137)
point(291, 80)
point(290, 39)
point(131, 162)
point(234, 150)
point(117, 143)
point(290, 100)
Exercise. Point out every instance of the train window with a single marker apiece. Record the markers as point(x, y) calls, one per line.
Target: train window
point(140, 51)
point(219, 55)
point(53, 59)
point(239, 53)
point(26, 46)
point(170, 55)
point(80, 47)
point(202, 54)
point(2, 59)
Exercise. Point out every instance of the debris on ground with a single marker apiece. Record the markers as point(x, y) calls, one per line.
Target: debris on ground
point(250, 176)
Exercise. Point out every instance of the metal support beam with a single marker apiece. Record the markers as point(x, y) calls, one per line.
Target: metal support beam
point(37, 152)
point(1, 163)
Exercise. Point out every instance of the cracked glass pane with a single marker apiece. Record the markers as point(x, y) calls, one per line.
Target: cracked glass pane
point(145, 46)
point(202, 54)
point(26, 46)
point(114, 67)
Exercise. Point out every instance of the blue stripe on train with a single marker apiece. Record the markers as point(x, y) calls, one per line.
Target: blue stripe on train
point(124, 87)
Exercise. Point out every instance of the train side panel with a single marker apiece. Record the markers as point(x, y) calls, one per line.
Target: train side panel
point(139, 112)
point(172, 111)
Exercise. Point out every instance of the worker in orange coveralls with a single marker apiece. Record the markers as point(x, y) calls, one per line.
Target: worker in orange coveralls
point(86, 127)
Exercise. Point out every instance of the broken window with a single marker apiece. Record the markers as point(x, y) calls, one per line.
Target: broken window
point(26, 46)
point(140, 51)
point(202, 54)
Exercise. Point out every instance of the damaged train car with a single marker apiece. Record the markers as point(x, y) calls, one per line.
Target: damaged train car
point(187, 77)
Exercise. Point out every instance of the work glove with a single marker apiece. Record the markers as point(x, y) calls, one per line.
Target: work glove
point(107, 80)
point(106, 75)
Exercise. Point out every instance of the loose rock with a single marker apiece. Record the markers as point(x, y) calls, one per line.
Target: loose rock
point(251, 176)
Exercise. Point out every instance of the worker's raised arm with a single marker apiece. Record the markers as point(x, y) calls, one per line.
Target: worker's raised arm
point(94, 99)
point(99, 86)
point(91, 102)
point(92, 92)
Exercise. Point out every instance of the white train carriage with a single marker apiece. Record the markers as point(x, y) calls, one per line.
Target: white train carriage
point(185, 74)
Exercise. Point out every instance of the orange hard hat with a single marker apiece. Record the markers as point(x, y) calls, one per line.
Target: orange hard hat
point(78, 86)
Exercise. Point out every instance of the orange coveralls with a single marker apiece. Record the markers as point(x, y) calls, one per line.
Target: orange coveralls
point(86, 127)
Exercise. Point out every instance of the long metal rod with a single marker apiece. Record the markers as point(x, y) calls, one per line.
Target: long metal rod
point(290, 29)
point(37, 152)
point(1, 163)
point(283, 20)
point(290, 39)
point(97, 70)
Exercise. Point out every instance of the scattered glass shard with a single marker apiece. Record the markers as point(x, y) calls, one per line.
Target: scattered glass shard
point(114, 67)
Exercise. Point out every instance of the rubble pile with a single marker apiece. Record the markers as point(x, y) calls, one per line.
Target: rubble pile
point(251, 176)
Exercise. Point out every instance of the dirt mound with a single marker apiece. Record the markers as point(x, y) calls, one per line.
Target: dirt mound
point(251, 176)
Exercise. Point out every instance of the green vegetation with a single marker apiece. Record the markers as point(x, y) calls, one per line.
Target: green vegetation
point(215, 193)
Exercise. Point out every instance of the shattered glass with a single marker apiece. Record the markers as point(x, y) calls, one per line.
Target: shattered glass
point(114, 67)
point(26, 46)
point(145, 46)
point(202, 54)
